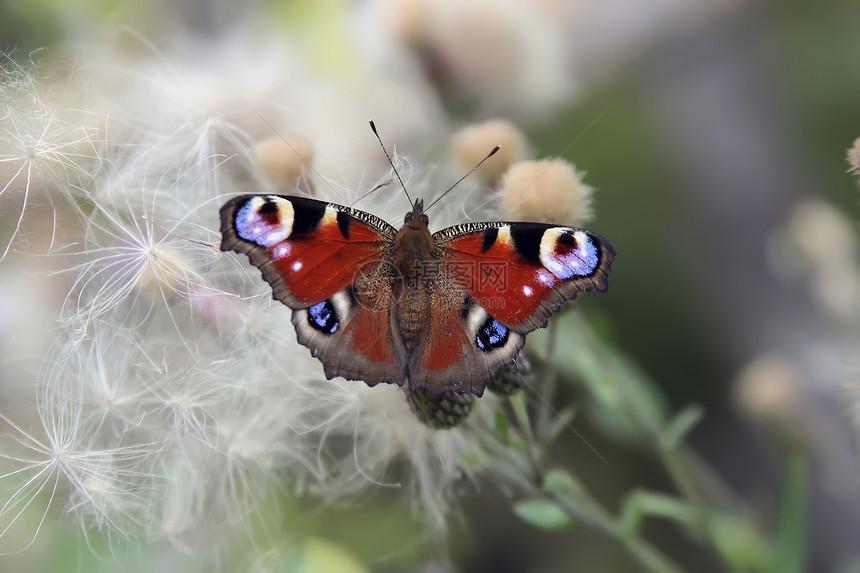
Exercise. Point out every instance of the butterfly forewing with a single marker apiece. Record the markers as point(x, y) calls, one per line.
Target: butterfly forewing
point(307, 250)
point(521, 273)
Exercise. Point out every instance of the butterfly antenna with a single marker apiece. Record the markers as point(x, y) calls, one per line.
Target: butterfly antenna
point(390, 162)
point(490, 154)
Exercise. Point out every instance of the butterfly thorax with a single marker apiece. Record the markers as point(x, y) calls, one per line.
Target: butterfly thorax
point(415, 265)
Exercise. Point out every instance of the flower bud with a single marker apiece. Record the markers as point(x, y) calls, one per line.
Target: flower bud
point(510, 379)
point(440, 411)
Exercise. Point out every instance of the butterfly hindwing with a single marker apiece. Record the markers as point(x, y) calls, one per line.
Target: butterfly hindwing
point(522, 273)
point(464, 348)
point(351, 340)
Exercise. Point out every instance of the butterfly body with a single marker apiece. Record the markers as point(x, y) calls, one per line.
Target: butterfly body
point(445, 311)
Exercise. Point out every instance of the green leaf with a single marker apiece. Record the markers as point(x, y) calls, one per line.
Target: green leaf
point(518, 403)
point(641, 504)
point(740, 543)
point(680, 425)
point(791, 536)
point(560, 481)
point(501, 424)
point(542, 513)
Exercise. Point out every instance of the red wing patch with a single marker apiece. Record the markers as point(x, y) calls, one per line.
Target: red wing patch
point(368, 334)
point(447, 342)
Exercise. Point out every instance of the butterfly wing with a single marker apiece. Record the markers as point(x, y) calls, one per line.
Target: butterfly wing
point(523, 272)
point(495, 283)
point(327, 263)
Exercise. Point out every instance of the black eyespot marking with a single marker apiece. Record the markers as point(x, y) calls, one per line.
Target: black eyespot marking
point(490, 236)
point(268, 211)
point(343, 223)
point(492, 334)
point(568, 240)
point(323, 317)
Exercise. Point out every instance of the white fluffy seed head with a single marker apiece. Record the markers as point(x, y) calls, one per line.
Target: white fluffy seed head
point(472, 143)
point(549, 191)
point(164, 269)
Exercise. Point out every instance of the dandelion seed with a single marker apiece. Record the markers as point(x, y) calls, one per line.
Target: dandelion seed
point(131, 264)
point(108, 483)
point(178, 398)
point(42, 151)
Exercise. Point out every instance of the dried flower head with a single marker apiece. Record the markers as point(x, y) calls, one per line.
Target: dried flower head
point(409, 21)
point(549, 191)
point(768, 388)
point(818, 244)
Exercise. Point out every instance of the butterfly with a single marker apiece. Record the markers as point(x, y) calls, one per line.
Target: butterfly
point(445, 311)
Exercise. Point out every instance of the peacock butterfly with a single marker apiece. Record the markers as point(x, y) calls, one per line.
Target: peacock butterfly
point(445, 311)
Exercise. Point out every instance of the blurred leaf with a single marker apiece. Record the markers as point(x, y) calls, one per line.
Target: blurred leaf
point(680, 425)
point(562, 482)
point(791, 536)
point(501, 424)
point(641, 504)
point(557, 425)
point(542, 513)
point(739, 543)
point(519, 405)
